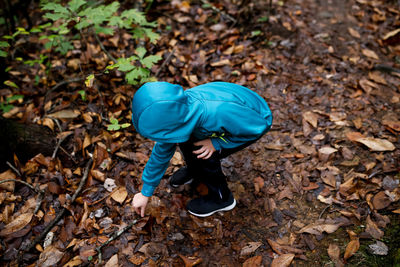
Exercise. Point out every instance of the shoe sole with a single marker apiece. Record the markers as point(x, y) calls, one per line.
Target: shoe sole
point(211, 213)
point(178, 185)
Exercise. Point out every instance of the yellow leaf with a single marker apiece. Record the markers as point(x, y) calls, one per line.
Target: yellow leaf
point(351, 248)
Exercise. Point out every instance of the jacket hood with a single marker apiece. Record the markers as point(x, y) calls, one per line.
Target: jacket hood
point(161, 112)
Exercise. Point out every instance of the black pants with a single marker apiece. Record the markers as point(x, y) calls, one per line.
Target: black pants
point(209, 171)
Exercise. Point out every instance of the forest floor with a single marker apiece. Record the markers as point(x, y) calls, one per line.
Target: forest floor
point(321, 188)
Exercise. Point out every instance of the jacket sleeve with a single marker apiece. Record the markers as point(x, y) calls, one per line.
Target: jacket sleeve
point(156, 166)
point(241, 125)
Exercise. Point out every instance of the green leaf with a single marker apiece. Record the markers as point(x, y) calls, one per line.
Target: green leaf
point(132, 76)
point(3, 53)
point(112, 127)
point(89, 80)
point(6, 108)
point(74, 5)
point(104, 30)
point(36, 30)
point(125, 125)
point(149, 61)
point(256, 33)
point(14, 98)
point(151, 35)
point(4, 44)
point(114, 121)
point(11, 84)
point(140, 51)
point(82, 94)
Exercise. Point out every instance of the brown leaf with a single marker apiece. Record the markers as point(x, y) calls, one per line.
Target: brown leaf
point(283, 260)
point(9, 174)
point(334, 252)
point(373, 229)
point(250, 248)
point(369, 53)
point(120, 194)
point(352, 247)
point(137, 259)
point(49, 257)
point(367, 85)
point(376, 77)
point(381, 201)
point(76, 261)
point(221, 63)
point(354, 33)
point(98, 175)
point(65, 114)
point(17, 224)
point(317, 229)
point(253, 261)
point(113, 261)
point(392, 37)
point(311, 118)
point(392, 123)
point(377, 144)
point(191, 261)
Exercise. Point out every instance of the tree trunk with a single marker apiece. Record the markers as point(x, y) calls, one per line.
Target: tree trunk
point(24, 140)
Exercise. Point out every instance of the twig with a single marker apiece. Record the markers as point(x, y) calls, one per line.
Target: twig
point(72, 80)
point(14, 169)
point(166, 61)
point(323, 211)
point(39, 201)
point(103, 48)
point(19, 181)
point(113, 237)
point(219, 11)
point(57, 218)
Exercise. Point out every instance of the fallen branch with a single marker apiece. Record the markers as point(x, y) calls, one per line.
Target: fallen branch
point(14, 169)
point(57, 218)
point(112, 238)
point(165, 62)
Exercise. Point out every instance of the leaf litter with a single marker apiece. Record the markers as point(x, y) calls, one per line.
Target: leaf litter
point(329, 163)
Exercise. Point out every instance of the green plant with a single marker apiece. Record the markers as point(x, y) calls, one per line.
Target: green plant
point(115, 126)
point(136, 74)
point(86, 19)
point(7, 106)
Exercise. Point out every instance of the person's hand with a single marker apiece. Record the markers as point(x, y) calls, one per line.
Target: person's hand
point(139, 203)
point(206, 150)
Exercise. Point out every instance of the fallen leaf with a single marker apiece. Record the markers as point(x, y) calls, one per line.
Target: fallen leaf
point(65, 114)
point(120, 194)
point(17, 224)
point(334, 253)
point(393, 124)
point(190, 261)
point(283, 260)
point(9, 174)
point(137, 259)
point(376, 77)
point(113, 261)
point(250, 248)
point(317, 229)
point(98, 175)
point(311, 118)
point(376, 144)
point(109, 184)
point(354, 33)
point(369, 53)
point(352, 247)
point(76, 261)
point(253, 261)
point(373, 229)
point(221, 63)
point(49, 257)
point(379, 248)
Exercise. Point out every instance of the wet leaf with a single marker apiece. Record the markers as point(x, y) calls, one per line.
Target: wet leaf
point(120, 195)
point(50, 257)
point(351, 248)
point(283, 260)
point(376, 144)
point(253, 261)
point(250, 248)
point(17, 224)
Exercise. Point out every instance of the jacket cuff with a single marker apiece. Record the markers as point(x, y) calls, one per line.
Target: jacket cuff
point(148, 190)
point(215, 143)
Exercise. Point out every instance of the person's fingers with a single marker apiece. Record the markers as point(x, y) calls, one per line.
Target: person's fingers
point(204, 154)
point(198, 143)
point(209, 155)
point(199, 151)
point(137, 209)
point(142, 211)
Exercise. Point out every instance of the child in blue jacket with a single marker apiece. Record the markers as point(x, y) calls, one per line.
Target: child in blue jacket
point(207, 122)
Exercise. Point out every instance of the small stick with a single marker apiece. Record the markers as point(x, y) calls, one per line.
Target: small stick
point(58, 217)
point(19, 181)
point(323, 211)
point(113, 237)
point(103, 48)
point(14, 169)
point(165, 62)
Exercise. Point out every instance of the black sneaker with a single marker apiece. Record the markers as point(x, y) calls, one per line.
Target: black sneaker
point(208, 205)
point(180, 177)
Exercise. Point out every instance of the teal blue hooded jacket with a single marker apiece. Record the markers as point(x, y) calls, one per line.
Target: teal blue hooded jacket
point(229, 114)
